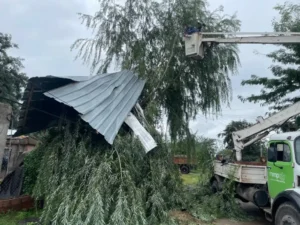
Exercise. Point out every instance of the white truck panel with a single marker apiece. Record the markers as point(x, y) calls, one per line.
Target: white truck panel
point(242, 173)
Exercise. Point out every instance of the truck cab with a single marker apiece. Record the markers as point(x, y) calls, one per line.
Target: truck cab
point(273, 186)
point(283, 176)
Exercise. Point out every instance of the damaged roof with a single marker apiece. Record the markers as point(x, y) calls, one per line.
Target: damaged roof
point(103, 101)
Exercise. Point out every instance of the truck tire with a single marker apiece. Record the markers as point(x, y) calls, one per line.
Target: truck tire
point(184, 169)
point(287, 214)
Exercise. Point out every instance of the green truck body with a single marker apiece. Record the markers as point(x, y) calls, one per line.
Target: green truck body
point(274, 187)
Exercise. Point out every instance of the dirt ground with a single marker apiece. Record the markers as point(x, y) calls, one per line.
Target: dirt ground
point(249, 208)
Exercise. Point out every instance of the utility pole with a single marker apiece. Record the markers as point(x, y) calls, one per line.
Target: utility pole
point(5, 117)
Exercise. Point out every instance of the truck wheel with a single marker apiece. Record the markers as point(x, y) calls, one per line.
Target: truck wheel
point(287, 214)
point(184, 169)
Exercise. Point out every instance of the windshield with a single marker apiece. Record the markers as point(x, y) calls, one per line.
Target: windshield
point(297, 150)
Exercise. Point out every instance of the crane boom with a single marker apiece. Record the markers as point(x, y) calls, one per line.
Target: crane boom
point(261, 129)
point(256, 40)
point(194, 43)
point(251, 33)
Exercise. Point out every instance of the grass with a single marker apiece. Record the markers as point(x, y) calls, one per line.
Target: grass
point(12, 218)
point(190, 179)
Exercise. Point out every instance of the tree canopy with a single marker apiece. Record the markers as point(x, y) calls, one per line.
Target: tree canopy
point(146, 37)
point(282, 89)
point(12, 80)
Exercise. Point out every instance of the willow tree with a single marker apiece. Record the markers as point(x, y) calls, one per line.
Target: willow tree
point(146, 37)
point(88, 182)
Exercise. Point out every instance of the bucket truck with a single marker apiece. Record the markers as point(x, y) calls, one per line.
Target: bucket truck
point(273, 186)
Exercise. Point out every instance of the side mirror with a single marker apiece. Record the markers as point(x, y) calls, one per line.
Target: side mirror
point(272, 154)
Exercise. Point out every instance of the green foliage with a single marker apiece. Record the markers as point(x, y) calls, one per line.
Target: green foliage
point(251, 152)
point(185, 145)
point(32, 162)
point(208, 206)
point(199, 199)
point(85, 181)
point(206, 149)
point(282, 89)
point(213, 206)
point(12, 218)
point(12, 80)
point(146, 36)
point(219, 205)
point(199, 149)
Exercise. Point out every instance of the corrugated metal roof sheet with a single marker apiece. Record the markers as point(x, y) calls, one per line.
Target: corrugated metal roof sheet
point(104, 101)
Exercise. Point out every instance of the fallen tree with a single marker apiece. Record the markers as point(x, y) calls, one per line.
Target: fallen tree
point(83, 180)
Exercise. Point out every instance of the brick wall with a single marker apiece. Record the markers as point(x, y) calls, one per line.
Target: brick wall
point(24, 202)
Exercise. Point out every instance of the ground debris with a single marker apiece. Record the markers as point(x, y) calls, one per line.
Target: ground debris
point(185, 218)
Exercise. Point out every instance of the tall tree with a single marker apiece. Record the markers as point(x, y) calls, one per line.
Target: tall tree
point(251, 152)
point(282, 89)
point(12, 80)
point(146, 36)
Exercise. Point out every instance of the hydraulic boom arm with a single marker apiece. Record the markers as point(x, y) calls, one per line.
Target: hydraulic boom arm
point(256, 38)
point(262, 128)
point(194, 42)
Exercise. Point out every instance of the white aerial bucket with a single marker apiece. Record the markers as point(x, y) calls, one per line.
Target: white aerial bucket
point(193, 45)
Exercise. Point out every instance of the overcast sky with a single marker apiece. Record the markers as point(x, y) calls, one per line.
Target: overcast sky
point(45, 30)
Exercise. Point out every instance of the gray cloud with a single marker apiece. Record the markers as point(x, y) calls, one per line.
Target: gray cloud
point(44, 31)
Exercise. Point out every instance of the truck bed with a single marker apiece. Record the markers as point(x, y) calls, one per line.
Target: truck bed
point(242, 172)
point(183, 160)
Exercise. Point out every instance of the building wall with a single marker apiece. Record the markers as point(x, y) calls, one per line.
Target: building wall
point(14, 153)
